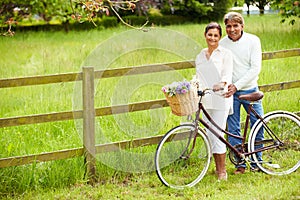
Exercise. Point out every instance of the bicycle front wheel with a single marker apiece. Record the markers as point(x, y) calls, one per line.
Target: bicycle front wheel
point(182, 157)
point(282, 138)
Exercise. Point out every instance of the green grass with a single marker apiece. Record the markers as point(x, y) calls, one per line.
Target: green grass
point(41, 53)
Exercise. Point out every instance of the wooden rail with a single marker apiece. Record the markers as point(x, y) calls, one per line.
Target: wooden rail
point(79, 114)
point(70, 77)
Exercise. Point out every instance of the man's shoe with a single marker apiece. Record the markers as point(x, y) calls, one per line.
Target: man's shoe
point(240, 170)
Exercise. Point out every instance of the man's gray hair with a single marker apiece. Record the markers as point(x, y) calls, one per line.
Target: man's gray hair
point(234, 16)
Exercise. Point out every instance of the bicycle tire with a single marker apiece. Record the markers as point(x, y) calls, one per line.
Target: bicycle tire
point(173, 169)
point(285, 158)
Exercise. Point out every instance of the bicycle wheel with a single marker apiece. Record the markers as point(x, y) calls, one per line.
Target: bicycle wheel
point(282, 136)
point(178, 164)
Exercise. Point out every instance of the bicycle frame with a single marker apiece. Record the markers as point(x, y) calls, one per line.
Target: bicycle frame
point(242, 154)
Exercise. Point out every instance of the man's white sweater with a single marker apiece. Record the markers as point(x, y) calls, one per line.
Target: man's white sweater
point(247, 57)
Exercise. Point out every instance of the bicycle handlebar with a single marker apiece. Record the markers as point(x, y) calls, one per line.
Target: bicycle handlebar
point(207, 90)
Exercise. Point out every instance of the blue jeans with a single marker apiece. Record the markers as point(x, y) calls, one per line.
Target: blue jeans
point(233, 121)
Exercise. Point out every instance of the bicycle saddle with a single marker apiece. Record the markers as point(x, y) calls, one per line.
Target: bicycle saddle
point(255, 96)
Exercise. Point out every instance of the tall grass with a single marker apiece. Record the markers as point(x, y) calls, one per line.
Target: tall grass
point(40, 53)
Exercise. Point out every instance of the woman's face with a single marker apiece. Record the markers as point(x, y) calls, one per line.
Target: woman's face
point(212, 37)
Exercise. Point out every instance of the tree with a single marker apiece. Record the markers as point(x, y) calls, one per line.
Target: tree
point(289, 9)
point(46, 9)
point(12, 11)
point(261, 5)
point(202, 9)
point(17, 10)
point(220, 9)
point(248, 3)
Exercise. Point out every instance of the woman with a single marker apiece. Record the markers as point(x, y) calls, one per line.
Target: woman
point(214, 70)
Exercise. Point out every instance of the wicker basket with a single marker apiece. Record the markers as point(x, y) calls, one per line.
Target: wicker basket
point(183, 104)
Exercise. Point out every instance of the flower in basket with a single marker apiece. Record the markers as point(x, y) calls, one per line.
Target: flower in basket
point(177, 88)
point(182, 97)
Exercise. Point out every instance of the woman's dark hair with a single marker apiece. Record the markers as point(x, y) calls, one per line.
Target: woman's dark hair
point(213, 25)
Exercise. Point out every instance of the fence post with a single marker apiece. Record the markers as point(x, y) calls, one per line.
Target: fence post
point(89, 122)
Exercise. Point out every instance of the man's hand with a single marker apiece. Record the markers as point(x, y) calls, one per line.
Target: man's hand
point(231, 90)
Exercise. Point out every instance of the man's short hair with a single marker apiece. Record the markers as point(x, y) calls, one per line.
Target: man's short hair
point(234, 16)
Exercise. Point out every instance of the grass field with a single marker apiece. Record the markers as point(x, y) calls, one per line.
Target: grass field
point(41, 53)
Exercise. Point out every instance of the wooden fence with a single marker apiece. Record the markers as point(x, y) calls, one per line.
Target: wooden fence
point(89, 112)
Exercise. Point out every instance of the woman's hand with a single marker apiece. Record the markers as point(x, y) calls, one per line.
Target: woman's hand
point(219, 86)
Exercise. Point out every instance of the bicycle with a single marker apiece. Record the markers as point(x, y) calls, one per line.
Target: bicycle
point(183, 155)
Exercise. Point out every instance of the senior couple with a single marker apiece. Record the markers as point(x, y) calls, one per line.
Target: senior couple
point(233, 63)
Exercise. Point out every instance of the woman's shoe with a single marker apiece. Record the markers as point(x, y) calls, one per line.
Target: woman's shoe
point(222, 176)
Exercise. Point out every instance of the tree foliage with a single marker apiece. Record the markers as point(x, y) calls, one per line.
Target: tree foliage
point(45, 9)
point(12, 11)
point(289, 9)
point(220, 9)
point(260, 4)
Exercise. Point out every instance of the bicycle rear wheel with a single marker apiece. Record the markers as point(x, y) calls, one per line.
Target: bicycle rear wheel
point(178, 164)
point(282, 135)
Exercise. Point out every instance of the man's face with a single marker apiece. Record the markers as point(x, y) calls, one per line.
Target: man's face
point(234, 30)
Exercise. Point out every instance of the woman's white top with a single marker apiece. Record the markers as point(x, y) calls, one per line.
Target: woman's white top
point(216, 69)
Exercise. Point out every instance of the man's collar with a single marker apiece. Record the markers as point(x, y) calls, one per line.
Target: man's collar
point(238, 39)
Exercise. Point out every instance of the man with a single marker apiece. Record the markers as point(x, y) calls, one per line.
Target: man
point(247, 57)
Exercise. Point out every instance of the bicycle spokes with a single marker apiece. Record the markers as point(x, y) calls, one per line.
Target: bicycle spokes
point(183, 160)
point(280, 148)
